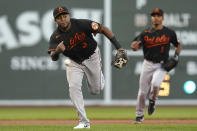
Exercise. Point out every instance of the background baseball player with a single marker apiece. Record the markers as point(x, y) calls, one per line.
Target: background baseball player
point(155, 42)
point(73, 38)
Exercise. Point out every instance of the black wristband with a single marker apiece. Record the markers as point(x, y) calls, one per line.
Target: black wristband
point(176, 56)
point(115, 42)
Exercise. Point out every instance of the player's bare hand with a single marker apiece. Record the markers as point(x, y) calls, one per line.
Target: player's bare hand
point(135, 45)
point(60, 48)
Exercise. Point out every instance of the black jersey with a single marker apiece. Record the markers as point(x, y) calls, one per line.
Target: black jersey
point(156, 44)
point(78, 40)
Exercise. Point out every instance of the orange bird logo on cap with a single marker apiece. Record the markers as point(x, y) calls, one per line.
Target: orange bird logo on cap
point(60, 9)
point(156, 10)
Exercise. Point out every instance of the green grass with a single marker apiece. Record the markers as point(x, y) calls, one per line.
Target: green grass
point(100, 127)
point(174, 113)
point(64, 113)
point(26, 113)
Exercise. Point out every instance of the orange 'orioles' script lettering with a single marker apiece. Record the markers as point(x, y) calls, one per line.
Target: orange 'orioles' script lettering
point(77, 39)
point(156, 41)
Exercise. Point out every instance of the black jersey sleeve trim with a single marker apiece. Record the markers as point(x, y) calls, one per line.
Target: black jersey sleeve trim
point(115, 43)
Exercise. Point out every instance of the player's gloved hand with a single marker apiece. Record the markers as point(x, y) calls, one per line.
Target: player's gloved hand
point(171, 63)
point(54, 55)
point(121, 58)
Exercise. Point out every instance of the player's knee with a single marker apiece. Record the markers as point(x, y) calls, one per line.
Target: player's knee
point(73, 88)
point(142, 93)
point(156, 84)
point(95, 91)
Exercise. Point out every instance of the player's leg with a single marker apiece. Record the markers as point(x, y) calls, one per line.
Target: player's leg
point(144, 86)
point(74, 77)
point(93, 72)
point(158, 77)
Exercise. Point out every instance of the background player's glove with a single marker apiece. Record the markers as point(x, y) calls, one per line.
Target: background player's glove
point(121, 59)
point(171, 63)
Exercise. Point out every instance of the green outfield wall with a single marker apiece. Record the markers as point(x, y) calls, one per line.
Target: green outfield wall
point(27, 73)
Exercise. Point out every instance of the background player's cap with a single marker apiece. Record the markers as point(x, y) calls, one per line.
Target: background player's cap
point(157, 11)
point(60, 10)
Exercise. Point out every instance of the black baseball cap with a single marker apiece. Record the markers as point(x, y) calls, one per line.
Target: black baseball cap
point(60, 10)
point(157, 11)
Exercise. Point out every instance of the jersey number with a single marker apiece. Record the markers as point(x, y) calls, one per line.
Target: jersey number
point(162, 49)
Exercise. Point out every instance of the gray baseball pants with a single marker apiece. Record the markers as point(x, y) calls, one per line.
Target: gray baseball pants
point(151, 78)
point(92, 69)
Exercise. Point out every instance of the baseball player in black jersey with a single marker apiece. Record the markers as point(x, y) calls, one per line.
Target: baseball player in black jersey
point(73, 38)
point(155, 42)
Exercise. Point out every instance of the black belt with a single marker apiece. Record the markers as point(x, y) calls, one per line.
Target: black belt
point(156, 61)
point(82, 58)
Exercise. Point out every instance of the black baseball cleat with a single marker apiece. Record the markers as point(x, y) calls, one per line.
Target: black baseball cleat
point(151, 107)
point(138, 119)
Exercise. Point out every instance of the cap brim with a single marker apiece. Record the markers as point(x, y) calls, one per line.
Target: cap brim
point(63, 12)
point(156, 14)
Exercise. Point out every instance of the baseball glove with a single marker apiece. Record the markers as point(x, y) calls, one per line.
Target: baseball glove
point(170, 64)
point(121, 59)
